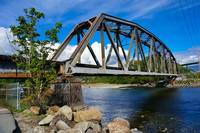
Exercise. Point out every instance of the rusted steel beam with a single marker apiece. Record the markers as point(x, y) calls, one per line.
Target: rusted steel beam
point(62, 46)
point(134, 55)
point(113, 45)
point(130, 48)
point(102, 47)
point(142, 53)
point(121, 47)
point(150, 54)
point(85, 40)
point(137, 49)
point(78, 41)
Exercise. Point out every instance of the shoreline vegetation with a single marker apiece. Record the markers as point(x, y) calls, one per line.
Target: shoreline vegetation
point(176, 84)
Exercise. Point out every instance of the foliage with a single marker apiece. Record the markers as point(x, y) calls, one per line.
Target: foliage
point(4, 102)
point(11, 80)
point(32, 53)
point(183, 70)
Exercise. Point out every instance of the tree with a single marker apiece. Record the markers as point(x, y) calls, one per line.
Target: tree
point(32, 53)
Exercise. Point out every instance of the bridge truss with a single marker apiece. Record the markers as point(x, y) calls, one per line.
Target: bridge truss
point(149, 55)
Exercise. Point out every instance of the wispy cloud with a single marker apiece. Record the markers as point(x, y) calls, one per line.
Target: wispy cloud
point(188, 56)
point(5, 47)
point(79, 10)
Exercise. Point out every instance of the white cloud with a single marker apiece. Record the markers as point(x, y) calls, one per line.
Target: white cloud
point(188, 56)
point(87, 58)
point(5, 47)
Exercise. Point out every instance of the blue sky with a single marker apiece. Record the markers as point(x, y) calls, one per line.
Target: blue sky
point(150, 14)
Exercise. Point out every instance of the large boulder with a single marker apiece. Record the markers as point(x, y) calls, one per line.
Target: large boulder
point(95, 128)
point(122, 119)
point(52, 110)
point(46, 120)
point(61, 125)
point(57, 118)
point(67, 111)
point(83, 125)
point(61, 131)
point(118, 127)
point(92, 115)
point(35, 110)
point(75, 130)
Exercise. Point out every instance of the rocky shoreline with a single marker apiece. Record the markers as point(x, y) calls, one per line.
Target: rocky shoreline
point(184, 85)
point(65, 120)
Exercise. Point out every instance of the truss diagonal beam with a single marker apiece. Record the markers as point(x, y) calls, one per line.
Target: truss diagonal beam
point(91, 51)
point(120, 42)
point(113, 45)
point(85, 40)
point(130, 47)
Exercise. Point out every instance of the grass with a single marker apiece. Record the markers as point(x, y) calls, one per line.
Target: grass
point(7, 105)
point(4, 102)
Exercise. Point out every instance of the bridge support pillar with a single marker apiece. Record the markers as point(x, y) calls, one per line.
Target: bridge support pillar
point(70, 92)
point(76, 97)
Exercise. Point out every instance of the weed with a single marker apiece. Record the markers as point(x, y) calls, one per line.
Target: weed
point(4, 102)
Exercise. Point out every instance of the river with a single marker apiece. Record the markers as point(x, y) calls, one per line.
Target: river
point(149, 109)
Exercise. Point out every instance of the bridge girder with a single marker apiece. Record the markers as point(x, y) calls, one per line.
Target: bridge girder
point(158, 61)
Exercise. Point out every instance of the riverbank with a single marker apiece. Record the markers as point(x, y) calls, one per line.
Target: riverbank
point(184, 85)
point(101, 85)
point(188, 84)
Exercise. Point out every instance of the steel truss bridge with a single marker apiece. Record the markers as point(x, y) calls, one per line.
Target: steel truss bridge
point(149, 55)
point(158, 61)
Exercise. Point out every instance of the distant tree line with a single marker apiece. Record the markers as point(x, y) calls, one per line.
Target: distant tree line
point(131, 79)
point(122, 79)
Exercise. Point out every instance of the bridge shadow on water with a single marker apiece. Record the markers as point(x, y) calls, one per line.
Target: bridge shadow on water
point(154, 113)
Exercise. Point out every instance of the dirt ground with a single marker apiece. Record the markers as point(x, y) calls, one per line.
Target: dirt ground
point(29, 124)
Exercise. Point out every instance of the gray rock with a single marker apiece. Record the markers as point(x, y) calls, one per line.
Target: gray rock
point(46, 120)
point(67, 111)
point(90, 131)
point(57, 118)
point(61, 131)
point(39, 129)
point(75, 130)
point(52, 131)
point(61, 125)
point(135, 130)
point(122, 119)
point(95, 127)
point(83, 125)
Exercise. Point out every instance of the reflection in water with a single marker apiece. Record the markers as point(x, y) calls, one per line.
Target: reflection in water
point(149, 109)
